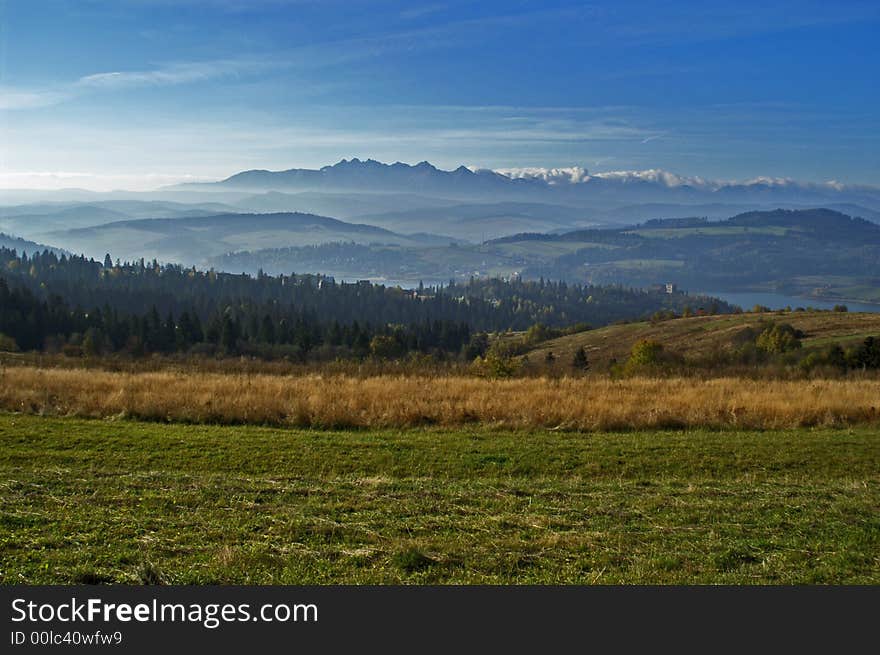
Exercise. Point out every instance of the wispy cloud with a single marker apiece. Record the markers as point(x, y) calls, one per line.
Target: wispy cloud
point(181, 73)
point(305, 58)
point(15, 98)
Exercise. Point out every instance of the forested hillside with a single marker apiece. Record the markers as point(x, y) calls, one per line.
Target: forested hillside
point(147, 307)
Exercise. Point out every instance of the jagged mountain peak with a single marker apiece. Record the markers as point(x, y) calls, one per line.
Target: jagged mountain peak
point(573, 185)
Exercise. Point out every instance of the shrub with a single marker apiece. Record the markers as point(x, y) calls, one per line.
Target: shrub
point(538, 333)
point(779, 338)
point(386, 347)
point(645, 354)
point(498, 362)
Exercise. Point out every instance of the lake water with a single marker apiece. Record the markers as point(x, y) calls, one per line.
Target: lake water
point(748, 299)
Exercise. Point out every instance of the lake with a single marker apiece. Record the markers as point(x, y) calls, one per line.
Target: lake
point(748, 299)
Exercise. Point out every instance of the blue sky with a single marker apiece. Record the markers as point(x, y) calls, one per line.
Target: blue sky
point(139, 93)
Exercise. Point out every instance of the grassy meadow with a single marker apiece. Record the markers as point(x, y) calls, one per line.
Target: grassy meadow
point(132, 502)
point(202, 471)
point(405, 401)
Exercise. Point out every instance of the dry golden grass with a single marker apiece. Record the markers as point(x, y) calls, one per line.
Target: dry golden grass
point(405, 401)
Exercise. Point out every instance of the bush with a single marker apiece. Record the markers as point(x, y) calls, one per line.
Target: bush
point(538, 333)
point(779, 338)
point(386, 347)
point(645, 354)
point(499, 362)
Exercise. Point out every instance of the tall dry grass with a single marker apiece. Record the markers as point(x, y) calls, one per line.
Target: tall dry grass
point(405, 401)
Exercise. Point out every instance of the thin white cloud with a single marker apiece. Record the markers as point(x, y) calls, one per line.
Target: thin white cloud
point(657, 176)
point(578, 175)
point(12, 98)
point(325, 54)
point(564, 175)
point(182, 73)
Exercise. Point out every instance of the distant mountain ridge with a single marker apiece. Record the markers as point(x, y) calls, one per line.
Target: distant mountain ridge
point(574, 186)
point(371, 175)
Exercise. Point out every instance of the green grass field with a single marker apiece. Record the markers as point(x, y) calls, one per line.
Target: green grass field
point(119, 501)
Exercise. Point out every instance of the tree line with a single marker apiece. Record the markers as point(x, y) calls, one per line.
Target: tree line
point(56, 301)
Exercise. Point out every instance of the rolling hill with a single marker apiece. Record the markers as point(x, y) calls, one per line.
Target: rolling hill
point(816, 252)
point(701, 335)
point(36, 220)
point(194, 240)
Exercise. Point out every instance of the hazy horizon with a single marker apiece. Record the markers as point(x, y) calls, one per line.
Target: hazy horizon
point(140, 94)
point(70, 181)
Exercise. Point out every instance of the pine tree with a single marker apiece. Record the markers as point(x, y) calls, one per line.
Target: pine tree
point(580, 361)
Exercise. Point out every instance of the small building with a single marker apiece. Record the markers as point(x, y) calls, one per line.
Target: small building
point(671, 287)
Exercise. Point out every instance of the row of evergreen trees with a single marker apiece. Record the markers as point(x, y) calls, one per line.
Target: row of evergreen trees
point(484, 304)
point(244, 328)
point(56, 301)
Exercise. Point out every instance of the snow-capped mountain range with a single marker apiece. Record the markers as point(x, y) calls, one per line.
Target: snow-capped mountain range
point(574, 186)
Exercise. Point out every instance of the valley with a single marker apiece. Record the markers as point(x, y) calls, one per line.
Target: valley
point(405, 225)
